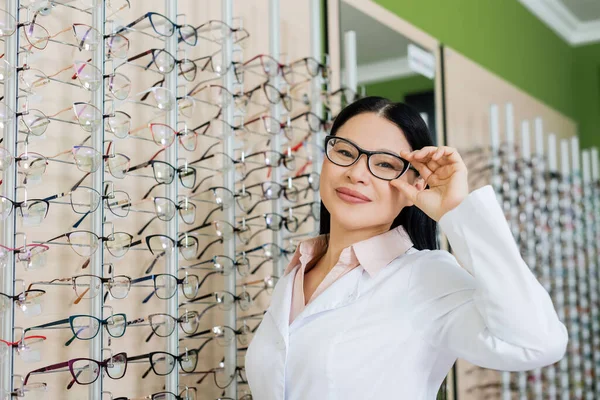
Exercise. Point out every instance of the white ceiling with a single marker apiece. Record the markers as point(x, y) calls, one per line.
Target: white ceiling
point(576, 21)
point(374, 42)
point(584, 10)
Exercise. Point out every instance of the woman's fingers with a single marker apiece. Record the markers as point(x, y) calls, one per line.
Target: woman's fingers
point(432, 156)
point(424, 171)
point(422, 158)
point(447, 155)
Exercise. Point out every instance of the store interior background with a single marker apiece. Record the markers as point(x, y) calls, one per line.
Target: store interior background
point(554, 58)
point(535, 60)
point(546, 54)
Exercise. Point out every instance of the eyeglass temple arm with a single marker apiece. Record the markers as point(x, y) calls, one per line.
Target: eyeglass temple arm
point(204, 155)
point(207, 58)
point(145, 374)
point(195, 335)
point(137, 358)
point(206, 276)
point(156, 84)
point(80, 181)
point(151, 189)
point(208, 340)
point(49, 324)
point(260, 265)
point(206, 296)
point(139, 166)
point(56, 196)
point(74, 76)
point(206, 373)
point(56, 238)
point(205, 223)
point(45, 369)
point(143, 228)
point(149, 296)
point(150, 336)
point(68, 342)
point(142, 54)
point(199, 257)
point(136, 243)
point(197, 228)
point(257, 294)
point(132, 24)
point(142, 279)
point(153, 263)
point(80, 220)
point(80, 297)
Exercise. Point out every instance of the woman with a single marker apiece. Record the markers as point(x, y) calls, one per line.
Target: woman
point(371, 309)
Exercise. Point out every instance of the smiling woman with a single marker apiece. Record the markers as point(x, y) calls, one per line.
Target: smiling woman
point(371, 309)
point(374, 123)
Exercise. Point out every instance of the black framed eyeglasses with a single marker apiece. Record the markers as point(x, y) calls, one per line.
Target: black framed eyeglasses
point(382, 164)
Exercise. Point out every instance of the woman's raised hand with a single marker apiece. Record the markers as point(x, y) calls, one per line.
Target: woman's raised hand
point(443, 169)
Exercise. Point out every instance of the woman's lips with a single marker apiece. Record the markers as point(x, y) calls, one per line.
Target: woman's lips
point(349, 197)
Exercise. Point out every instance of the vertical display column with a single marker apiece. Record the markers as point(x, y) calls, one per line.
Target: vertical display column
point(316, 90)
point(595, 234)
point(97, 259)
point(275, 109)
point(171, 157)
point(9, 179)
point(229, 246)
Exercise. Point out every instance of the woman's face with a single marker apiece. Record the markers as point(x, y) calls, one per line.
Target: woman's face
point(370, 132)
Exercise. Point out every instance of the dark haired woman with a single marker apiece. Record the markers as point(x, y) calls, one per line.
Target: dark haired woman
point(371, 308)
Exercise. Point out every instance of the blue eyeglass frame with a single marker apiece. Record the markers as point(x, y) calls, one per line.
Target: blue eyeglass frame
point(368, 153)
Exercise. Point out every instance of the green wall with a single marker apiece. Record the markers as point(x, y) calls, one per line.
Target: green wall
point(587, 93)
point(505, 38)
point(396, 89)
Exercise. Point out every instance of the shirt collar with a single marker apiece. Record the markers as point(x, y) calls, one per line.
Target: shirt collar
point(306, 250)
point(373, 253)
point(377, 252)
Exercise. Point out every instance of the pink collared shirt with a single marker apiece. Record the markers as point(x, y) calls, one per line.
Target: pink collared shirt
point(372, 254)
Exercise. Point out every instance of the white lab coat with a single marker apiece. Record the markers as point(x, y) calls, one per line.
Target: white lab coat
point(397, 334)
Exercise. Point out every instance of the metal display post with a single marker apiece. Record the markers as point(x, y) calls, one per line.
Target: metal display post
point(316, 89)
point(556, 257)
point(7, 274)
point(274, 49)
point(350, 63)
point(581, 272)
point(230, 317)
point(496, 180)
point(527, 241)
point(541, 216)
point(172, 259)
point(97, 140)
point(567, 244)
point(595, 215)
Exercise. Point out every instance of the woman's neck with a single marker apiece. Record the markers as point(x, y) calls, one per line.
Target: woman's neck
point(340, 238)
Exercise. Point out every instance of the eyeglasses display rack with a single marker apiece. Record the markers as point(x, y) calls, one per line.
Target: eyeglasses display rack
point(549, 196)
point(156, 158)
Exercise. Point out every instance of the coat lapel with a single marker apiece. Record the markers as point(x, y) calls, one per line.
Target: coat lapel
point(281, 303)
point(342, 292)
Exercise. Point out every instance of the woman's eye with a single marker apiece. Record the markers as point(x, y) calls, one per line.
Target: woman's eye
point(384, 165)
point(345, 153)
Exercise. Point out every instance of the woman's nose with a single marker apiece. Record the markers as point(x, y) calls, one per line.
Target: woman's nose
point(359, 171)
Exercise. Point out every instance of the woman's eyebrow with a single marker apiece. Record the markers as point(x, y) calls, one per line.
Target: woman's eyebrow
point(389, 151)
